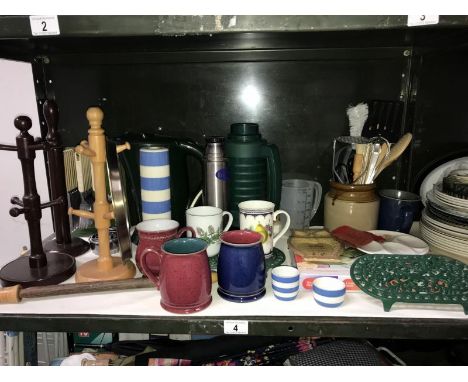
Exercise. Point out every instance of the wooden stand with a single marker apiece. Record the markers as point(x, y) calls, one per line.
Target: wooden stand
point(61, 240)
point(105, 267)
point(40, 267)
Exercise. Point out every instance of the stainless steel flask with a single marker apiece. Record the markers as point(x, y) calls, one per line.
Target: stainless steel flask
point(215, 174)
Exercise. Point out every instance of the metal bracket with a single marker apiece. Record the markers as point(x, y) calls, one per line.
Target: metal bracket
point(408, 93)
point(44, 90)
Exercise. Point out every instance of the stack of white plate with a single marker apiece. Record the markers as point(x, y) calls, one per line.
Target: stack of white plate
point(449, 200)
point(444, 223)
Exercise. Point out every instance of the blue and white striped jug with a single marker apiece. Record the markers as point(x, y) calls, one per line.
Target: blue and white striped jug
point(155, 183)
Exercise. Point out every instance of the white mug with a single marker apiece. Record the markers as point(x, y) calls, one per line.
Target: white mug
point(259, 215)
point(207, 222)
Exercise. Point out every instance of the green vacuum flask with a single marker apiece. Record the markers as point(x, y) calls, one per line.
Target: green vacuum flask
point(254, 167)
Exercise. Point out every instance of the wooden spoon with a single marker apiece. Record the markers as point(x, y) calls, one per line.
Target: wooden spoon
point(395, 152)
point(384, 153)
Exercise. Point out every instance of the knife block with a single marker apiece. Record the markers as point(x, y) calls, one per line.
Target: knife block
point(106, 267)
point(40, 267)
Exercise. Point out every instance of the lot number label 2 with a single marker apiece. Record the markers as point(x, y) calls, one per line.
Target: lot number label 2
point(44, 25)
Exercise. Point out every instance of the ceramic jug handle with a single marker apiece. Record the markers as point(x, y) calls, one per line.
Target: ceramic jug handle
point(146, 270)
point(271, 153)
point(317, 198)
point(230, 219)
point(286, 225)
point(186, 229)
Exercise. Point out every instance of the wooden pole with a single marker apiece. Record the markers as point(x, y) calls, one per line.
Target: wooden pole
point(15, 294)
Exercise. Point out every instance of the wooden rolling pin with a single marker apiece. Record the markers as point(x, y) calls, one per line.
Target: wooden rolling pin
point(15, 293)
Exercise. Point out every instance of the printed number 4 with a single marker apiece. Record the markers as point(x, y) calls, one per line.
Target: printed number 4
point(44, 26)
point(236, 327)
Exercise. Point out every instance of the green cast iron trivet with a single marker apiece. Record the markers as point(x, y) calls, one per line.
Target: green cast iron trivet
point(429, 279)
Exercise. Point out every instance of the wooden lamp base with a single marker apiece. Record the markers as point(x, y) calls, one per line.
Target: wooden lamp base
point(91, 271)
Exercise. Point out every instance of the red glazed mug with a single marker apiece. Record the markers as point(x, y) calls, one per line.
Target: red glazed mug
point(184, 278)
point(154, 233)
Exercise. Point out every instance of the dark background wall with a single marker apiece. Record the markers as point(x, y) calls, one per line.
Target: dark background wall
point(441, 113)
point(302, 83)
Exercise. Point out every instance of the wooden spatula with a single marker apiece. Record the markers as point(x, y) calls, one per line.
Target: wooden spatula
point(395, 152)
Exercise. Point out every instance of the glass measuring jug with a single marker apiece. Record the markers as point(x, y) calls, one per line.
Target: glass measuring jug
point(301, 199)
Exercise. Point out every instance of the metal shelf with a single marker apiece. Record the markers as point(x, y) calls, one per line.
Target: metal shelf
point(355, 327)
point(104, 42)
point(17, 27)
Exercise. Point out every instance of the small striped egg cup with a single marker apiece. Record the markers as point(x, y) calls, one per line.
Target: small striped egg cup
point(285, 282)
point(328, 291)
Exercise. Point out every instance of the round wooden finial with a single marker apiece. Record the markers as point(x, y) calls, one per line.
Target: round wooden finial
point(23, 123)
point(95, 116)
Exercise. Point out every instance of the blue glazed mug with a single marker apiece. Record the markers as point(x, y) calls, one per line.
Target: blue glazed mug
point(398, 210)
point(241, 266)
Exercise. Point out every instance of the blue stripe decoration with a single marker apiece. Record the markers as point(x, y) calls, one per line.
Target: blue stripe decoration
point(328, 293)
point(285, 299)
point(156, 158)
point(285, 279)
point(328, 305)
point(285, 290)
point(155, 184)
point(156, 207)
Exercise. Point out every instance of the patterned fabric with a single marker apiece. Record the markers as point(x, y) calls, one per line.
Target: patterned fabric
point(338, 353)
point(274, 354)
point(168, 362)
point(267, 355)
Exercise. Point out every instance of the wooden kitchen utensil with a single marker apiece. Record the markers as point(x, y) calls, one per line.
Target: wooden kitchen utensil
point(106, 267)
point(395, 152)
point(358, 160)
point(384, 152)
point(15, 294)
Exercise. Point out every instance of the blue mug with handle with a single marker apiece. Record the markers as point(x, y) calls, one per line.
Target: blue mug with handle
point(398, 209)
point(241, 266)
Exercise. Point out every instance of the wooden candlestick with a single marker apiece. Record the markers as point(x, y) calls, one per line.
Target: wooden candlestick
point(105, 267)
